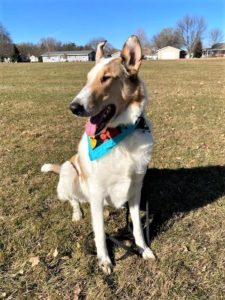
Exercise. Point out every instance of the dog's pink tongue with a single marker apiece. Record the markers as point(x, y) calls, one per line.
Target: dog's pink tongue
point(90, 128)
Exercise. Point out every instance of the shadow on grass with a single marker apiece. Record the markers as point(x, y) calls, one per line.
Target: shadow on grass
point(173, 193)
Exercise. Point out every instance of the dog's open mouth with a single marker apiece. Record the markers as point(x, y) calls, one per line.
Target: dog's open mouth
point(98, 122)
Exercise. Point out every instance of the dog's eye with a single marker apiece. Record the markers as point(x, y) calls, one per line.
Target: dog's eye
point(105, 78)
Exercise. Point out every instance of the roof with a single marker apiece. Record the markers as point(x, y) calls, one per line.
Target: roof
point(56, 53)
point(168, 47)
point(115, 54)
point(218, 46)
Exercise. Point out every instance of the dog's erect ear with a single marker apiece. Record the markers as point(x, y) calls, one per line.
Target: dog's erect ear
point(131, 55)
point(100, 51)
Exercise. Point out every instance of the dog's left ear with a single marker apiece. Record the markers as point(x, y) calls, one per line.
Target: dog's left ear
point(100, 51)
point(131, 55)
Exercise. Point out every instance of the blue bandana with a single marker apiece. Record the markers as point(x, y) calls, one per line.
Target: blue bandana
point(102, 143)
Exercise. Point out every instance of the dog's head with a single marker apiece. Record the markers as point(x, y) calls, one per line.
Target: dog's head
point(112, 86)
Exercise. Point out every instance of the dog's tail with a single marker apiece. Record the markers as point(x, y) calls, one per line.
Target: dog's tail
point(51, 168)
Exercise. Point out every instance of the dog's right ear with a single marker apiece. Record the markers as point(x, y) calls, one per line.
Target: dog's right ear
point(100, 51)
point(131, 55)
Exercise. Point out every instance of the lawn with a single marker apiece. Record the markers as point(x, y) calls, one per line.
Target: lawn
point(44, 255)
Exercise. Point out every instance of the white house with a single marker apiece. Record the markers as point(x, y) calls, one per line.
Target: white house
point(168, 53)
point(217, 50)
point(7, 60)
point(116, 54)
point(151, 57)
point(62, 56)
point(33, 58)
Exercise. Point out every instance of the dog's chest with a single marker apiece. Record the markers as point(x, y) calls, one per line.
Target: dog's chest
point(131, 156)
point(119, 173)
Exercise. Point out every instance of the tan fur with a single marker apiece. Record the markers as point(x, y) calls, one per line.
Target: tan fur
point(117, 177)
point(83, 172)
point(132, 55)
point(55, 168)
point(100, 51)
point(120, 87)
point(77, 164)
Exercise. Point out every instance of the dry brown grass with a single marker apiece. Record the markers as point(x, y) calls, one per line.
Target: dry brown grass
point(185, 185)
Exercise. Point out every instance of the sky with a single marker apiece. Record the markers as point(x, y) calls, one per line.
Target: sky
point(79, 21)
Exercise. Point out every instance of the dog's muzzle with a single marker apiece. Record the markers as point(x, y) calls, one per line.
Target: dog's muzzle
point(78, 109)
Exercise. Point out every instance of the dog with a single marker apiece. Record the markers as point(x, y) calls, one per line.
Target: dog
point(115, 149)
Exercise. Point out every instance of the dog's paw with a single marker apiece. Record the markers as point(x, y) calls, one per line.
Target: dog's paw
point(148, 254)
point(77, 216)
point(105, 265)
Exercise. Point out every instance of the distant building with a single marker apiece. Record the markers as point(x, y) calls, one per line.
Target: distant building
point(217, 50)
point(62, 56)
point(151, 57)
point(145, 56)
point(33, 58)
point(7, 60)
point(169, 53)
point(116, 54)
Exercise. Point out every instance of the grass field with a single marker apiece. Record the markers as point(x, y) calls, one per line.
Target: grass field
point(43, 255)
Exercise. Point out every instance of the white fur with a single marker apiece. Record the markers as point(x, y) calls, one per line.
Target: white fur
point(68, 190)
point(113, 179)
point(46, 168)
point(95, 70)
point(84, 95)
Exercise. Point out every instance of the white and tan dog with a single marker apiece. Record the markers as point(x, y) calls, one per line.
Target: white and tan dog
point(113, 96)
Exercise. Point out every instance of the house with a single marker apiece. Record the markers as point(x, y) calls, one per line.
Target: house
point(116, 54)
point(151, 57)
point(169, 53)
point(217, 50)
point(33, 58)
point(146, 57)
point(7, 60)
point(62, 56)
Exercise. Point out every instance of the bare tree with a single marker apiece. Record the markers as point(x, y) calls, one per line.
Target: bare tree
point(93, 43)
point(215, 36)
point(28, 49)
point(50, 44)
point(167, 37)
point(191, 30)
point(141, 34)
point(69, 46)
point(6, 44)
point(144, 40)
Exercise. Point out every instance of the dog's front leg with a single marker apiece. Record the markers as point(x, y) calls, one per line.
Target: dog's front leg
point(134, 205)
point(96, 202)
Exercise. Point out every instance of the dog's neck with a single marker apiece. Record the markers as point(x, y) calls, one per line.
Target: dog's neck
point(100, 144)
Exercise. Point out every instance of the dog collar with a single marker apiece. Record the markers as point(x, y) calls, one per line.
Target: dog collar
point(99, 145)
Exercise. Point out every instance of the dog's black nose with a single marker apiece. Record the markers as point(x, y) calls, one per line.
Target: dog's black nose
point(77, 109)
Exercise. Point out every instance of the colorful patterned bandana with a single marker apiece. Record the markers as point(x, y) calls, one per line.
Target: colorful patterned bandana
point(102, 143)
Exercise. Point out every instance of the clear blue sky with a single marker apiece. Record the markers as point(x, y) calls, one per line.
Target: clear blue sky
point(79, 21)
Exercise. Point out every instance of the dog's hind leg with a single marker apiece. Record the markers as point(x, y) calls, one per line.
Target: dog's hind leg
point(68, 188)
